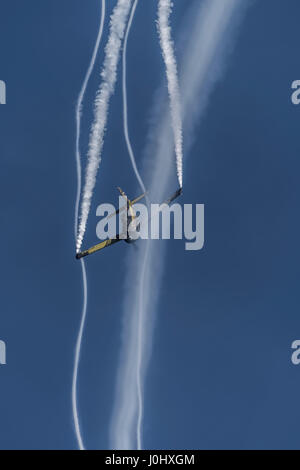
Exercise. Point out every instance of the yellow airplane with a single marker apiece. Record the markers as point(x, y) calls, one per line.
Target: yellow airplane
point(130, 218)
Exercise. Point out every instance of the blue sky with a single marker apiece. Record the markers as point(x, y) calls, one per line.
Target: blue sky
point(220, 375)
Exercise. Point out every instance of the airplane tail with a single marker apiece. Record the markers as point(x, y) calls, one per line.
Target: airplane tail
point(123, 193)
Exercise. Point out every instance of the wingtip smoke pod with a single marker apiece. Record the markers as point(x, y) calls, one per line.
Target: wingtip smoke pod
point(81, 254)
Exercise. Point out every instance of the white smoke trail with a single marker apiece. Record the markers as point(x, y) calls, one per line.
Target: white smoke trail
point(142, 185)
point(164, 30)
point(77, 358)
point(83, 270)
point(211, 29)
point(109, 77)
point(79, 111)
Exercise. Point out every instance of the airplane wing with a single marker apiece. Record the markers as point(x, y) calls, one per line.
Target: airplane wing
point(99, 247)
point(138, 198)
point(174, 196)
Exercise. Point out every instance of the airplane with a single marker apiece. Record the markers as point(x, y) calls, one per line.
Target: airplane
point(130, 218)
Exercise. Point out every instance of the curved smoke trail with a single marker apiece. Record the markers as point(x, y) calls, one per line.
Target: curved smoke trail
point(212, 27)
point(77, 358)
point(109, 77)
point(164, 30)
point(125, 107)
point(83, 270)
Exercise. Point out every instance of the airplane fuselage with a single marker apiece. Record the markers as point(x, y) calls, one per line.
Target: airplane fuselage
point(130, 220)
